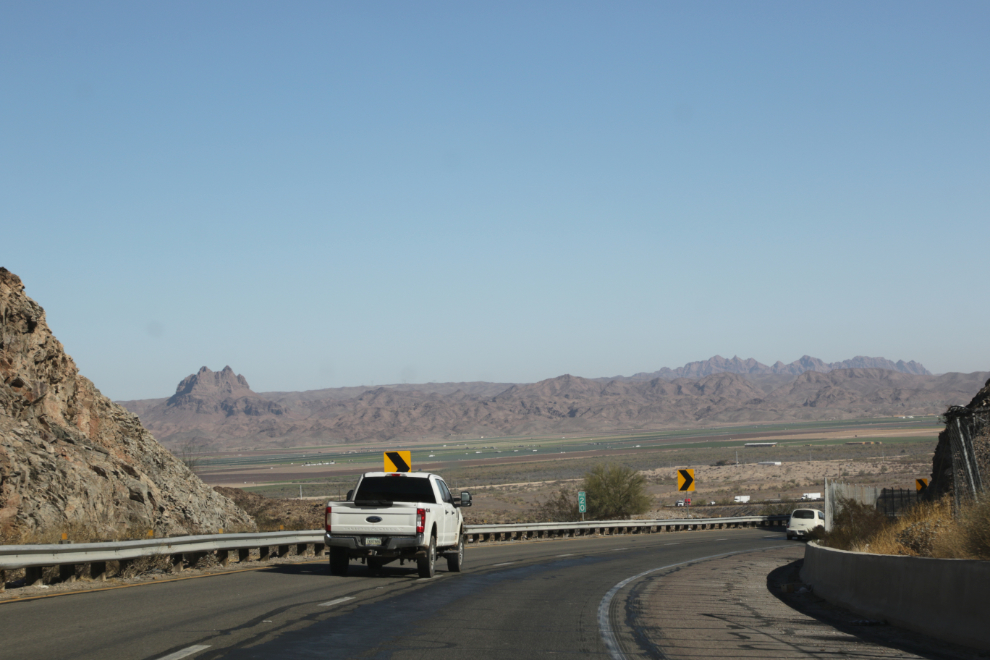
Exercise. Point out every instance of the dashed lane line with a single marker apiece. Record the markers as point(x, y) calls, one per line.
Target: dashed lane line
point(338, 601)
point(186, 652)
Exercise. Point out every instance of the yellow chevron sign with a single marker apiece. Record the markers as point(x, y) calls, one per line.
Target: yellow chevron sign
point(921, 484)
point(398, 461)
point(685, 480)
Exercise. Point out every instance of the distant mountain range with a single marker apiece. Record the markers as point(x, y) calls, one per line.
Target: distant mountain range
point(218, 410)
point(751, 367)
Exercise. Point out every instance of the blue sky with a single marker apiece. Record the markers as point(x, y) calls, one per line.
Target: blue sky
point(329, 194)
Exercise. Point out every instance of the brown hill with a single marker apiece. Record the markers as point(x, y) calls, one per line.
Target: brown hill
point(71, 457)
point(569, 404)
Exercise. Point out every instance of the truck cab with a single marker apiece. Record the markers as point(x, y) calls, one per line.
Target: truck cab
point(409, 516)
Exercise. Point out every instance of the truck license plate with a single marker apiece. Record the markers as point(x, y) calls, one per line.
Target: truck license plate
point(372, 540)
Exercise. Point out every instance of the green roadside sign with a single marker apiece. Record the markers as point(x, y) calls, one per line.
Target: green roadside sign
point(582, 502)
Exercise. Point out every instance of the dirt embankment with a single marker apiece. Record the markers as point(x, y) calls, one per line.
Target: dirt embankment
point(272, 514)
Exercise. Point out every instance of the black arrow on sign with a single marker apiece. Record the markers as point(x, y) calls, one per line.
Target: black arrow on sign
point(688, 480)
point(921, 484)
point(396, 458)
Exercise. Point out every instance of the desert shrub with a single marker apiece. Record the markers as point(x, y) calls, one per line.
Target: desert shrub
point(776, 509)
point(854, 526)
point(615, 492)
point(924, 530)
point(974, 530)
point(560, 506)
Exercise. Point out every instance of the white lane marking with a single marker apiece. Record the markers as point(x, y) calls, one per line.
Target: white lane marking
point(567, 555)
point(338, 601)
point(186, 652)
point(617, 549)
point(504, 563)
point(721, 539)
point(604, 623)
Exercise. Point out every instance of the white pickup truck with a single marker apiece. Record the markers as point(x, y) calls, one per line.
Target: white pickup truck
point(397, 515)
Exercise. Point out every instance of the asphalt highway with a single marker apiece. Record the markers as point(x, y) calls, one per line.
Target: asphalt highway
point(523, 600)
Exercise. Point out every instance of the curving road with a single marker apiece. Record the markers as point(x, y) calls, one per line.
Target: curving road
point(618, 597)
point(513, 600)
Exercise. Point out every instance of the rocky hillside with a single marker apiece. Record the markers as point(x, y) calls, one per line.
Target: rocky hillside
point(943, 475)
point(71, 458)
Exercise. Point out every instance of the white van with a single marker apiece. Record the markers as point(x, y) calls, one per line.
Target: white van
point(803, 521)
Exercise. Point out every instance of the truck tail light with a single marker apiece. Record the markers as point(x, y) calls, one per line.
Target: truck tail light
point(420, 520)
point(326, 520)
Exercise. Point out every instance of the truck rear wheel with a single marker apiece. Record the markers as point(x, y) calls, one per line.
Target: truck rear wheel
point(339, 561)
point(428, 565)
point(455, 560)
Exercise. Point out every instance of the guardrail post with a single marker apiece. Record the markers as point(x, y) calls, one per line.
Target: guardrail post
point(318, 549)
point(243, 554)
point(177, 562)
point(3, 580)
point(33, 575)
point(265, 553)
point(283, 550)
point(223, 556)
point(67, 573)
point(303, 548)
point(98, 571)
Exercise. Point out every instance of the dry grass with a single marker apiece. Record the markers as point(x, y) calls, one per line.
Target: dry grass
point(929, 529)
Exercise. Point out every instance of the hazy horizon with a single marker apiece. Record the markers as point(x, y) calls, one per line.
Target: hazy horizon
point(328, 195)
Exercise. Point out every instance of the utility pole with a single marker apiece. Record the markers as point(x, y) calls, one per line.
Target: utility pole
point(737, 457)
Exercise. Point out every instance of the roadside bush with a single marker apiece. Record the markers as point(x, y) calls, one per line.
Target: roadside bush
point(776, 509)
point(925, 530)
point(974, 526)
point(560, 506)
point(854, 526)
point(615, 492)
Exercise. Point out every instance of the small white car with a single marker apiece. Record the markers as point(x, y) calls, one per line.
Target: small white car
point(803, 521)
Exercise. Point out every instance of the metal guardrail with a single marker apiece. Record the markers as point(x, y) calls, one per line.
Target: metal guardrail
point(178, 549)
point(523, 531)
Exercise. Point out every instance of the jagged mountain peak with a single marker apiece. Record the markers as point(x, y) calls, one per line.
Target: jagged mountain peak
point(206, 382)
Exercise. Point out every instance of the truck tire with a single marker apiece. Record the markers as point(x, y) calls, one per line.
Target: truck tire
point(428, 565)
point(339, 561)
point(455, 559)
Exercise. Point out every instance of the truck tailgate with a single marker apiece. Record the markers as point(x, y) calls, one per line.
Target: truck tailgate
point(347, 518)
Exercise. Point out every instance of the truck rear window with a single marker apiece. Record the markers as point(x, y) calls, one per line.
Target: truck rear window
point(803, 514)
point(395, 489)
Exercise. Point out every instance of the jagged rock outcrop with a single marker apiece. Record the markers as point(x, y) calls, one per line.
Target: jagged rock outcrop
point(71, 458)
point(208, 404)
point(942, 480)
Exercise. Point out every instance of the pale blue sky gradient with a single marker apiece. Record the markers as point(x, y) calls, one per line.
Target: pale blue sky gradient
point(328, 194)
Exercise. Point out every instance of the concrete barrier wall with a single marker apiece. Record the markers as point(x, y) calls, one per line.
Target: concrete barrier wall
point(946, 598)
